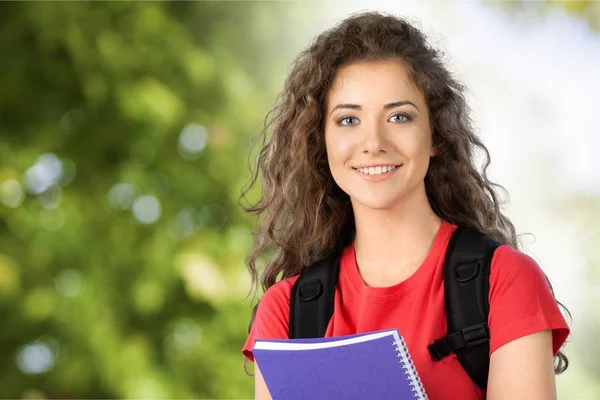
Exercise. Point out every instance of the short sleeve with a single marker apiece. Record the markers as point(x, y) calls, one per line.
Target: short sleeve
point(272, 315)
point(521, 301)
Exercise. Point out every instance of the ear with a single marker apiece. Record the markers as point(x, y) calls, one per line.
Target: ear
point(433, 151)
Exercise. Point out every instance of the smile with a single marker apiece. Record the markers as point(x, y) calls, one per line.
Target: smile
point(377, 174)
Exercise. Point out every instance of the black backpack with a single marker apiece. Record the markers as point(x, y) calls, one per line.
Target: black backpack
point(466, 286)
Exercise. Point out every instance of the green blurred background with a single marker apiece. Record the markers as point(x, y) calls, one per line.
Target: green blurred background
point(124, 134)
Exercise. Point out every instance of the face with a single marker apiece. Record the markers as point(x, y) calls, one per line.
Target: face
point(377, 134)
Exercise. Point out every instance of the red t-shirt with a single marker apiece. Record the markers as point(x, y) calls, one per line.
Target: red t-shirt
point(521, 303)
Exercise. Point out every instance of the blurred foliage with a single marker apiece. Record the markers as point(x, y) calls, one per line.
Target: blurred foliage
point(587, 10)
point(124, 132)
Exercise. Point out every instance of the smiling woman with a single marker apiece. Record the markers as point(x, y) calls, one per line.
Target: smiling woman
point(371, 162)
point(395, 134)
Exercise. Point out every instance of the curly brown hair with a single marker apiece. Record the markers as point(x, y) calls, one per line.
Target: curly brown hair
point(302, 214)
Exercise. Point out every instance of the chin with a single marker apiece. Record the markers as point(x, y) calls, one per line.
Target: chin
point(376, 202)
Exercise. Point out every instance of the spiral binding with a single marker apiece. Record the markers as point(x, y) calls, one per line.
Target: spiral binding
point(409, 369)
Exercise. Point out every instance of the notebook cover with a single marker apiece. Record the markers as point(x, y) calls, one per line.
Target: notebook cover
point(374, 369)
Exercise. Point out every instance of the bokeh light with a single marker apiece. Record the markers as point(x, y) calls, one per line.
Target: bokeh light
point(192, 141)
point(69, 283)
point(121, 195)
point(11, 193)
point(46, 171)
point(38, 356)
point(146, 209)
point(184, 224)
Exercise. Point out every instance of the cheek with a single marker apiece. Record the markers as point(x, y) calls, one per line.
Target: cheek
point(339, 153)
point(417, 146)
point(339, 150)
point(422, 157)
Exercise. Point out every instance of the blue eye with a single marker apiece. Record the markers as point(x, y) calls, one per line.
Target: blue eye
point(344, 118)
point(406, 117)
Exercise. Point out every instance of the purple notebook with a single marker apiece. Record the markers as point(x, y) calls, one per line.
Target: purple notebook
point(373, 366)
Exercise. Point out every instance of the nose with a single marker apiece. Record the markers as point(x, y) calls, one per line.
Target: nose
point(374, 140)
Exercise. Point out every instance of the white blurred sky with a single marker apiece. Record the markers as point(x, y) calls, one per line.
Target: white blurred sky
point(534, 87)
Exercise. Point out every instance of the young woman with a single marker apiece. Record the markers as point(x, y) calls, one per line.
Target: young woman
point(372, 146)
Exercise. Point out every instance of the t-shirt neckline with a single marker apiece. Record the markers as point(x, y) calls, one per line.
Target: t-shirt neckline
point(350, 268)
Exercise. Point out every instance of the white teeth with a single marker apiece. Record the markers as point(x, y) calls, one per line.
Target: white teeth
point(377, 170)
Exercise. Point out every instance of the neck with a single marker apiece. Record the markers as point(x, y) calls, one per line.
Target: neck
point(397, 239)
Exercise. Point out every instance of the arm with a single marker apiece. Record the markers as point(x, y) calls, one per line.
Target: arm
point(526, 329)
point(271, 322)
point(260, 388)
point(523, 369)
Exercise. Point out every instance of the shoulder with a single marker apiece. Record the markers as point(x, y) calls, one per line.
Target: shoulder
point(273, 311)
point(506, 256)
point(272, 315)
point(277, 296)
point(521, 300)
point(509, 264)
point(515, 273)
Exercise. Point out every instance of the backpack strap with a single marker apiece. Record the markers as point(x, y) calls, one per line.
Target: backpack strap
point(466, 286)
point(312, 299)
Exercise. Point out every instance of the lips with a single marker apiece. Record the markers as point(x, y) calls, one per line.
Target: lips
point(377, 177)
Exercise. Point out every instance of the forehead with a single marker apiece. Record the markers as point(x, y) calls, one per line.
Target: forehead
point(374, 83)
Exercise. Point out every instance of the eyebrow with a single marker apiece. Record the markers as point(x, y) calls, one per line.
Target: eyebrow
point(385, 107)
